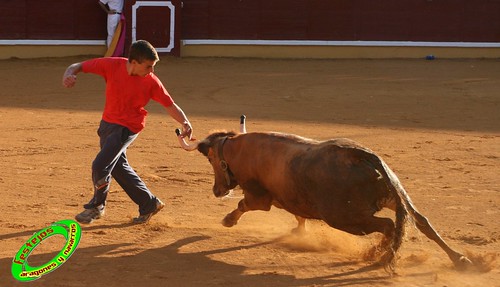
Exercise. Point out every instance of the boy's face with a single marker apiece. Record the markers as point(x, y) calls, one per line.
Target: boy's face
point(142, 69)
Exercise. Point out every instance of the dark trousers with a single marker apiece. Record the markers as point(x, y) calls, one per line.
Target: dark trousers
point(111, 162)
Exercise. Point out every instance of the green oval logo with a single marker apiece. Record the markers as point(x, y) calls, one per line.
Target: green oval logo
point(71, 231)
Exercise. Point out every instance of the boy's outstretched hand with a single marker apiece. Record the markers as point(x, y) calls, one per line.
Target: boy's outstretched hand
point(69, 81)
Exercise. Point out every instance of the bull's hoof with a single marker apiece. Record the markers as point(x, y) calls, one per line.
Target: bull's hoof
point(463, 263)
point(299, 231)
point(228, 221)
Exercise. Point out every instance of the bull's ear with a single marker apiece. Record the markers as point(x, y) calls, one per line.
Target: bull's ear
point(203, 147)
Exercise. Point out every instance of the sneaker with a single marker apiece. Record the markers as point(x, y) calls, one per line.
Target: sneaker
point(90, 214)
point(146, 217)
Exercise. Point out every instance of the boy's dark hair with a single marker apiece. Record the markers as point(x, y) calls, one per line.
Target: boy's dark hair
point(142, 50)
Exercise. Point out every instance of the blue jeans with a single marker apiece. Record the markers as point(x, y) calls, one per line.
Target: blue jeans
point(111, 162)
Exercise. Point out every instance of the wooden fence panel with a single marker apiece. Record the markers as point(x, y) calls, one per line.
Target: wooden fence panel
point(343, 20)
point(52, 20)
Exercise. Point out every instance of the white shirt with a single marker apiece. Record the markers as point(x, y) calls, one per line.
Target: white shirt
point(116, 5)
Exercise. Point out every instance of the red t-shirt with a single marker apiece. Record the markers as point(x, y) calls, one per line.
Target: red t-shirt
point(126, 96)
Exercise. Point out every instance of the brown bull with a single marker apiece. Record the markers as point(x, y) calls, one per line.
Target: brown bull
point(337, 181)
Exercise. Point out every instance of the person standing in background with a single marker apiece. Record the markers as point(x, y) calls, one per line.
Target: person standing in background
point(114, 10)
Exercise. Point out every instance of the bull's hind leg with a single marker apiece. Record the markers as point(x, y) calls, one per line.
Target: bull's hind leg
point(367, 225)
point(426, 228)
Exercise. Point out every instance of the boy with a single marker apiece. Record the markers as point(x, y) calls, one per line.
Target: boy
point(130, 84)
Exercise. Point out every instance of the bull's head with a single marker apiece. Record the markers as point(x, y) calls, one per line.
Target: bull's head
point(213, 148)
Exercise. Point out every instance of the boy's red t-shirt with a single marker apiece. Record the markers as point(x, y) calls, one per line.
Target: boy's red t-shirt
point(126, 96)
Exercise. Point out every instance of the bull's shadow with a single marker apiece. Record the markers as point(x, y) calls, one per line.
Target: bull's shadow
point(167, 266)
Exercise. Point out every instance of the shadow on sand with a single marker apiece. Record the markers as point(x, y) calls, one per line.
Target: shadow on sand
point(167, 266)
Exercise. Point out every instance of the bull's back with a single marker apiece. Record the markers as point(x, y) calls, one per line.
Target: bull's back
point(334, 174)
point(307, 177)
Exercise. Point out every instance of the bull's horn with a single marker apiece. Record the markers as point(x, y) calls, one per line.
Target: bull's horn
point(183, 143)
point(243, 128)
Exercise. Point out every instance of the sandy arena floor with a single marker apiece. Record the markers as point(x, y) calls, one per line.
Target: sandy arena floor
point(436, 123)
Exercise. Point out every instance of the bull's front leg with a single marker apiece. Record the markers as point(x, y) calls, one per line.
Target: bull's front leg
point(301, 225)
point(231, 219)
point(301, 221)
point(246, 204)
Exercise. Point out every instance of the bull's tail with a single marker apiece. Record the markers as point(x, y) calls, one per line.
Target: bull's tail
point(399, 201)
point(404, 210)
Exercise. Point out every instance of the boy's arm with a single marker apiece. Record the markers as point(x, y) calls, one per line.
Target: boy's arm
point(69, 77)
point(177, 114)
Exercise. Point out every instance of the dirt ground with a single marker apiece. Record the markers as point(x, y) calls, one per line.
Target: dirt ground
point(436, 123)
